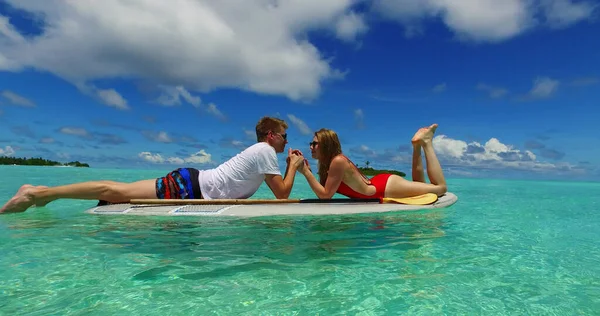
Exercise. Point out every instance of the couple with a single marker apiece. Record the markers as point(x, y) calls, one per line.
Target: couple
point(241, 176)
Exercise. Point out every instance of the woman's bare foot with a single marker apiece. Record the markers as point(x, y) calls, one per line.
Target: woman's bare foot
point(424, 134)
point(22, 200)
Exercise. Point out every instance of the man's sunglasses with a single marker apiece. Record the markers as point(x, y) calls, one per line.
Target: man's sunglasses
point(284, 136)
point(313, 144)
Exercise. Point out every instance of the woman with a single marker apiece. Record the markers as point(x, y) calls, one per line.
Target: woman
point(338, 174)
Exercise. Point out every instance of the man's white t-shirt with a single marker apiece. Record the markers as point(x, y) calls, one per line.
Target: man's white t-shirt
point(241, 176)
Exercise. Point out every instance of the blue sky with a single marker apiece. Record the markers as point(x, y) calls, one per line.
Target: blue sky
point(513, 84)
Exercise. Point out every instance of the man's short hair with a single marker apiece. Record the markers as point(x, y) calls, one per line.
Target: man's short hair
point(267, 124)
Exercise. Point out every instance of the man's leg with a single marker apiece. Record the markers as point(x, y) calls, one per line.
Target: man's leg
point(109, 191)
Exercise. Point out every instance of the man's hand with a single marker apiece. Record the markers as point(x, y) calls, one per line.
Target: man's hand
point(281, 187)
point(296, 161)
point(292, 153)
point(297, 152)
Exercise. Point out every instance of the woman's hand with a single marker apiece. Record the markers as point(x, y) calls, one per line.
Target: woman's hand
point(296, 162)
point(292, 152)
point(305, 169)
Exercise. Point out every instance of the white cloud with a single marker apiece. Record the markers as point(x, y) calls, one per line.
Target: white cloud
point(237, 143)
point(7, 64)
point(175, 161)
point(254, 45)
point(172, 96)
point(495, 146)
point(450, 147)
point(9, 31)
point(201, 157)
point(364, 150)
point(479, 20)
point(492, 154)
point(7, 151)
point(359, 116)
point(47, 140)
point(300, 125)
point(16, 99)
point(188, 97)
point(160, 137)
point(112, 98)
point(562, 13)
point(440, 88)
point(228, 142)
point(543, 87)
point(484, 20)
point(163, 137)
point(585, 81)
point(212, 109)
point(154, 158)
point(530, 155)
point(169, 97)
point(250, 134)
point(458, 172)
point(494, 92)
point(349, 26)
point(459, 157)
point(75, 131)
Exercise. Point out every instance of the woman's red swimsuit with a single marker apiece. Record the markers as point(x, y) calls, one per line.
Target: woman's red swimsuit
point(378, 181)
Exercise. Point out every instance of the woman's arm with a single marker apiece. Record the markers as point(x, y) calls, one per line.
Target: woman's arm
point(334, 178)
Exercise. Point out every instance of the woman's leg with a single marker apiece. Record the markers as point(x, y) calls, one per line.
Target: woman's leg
point(109, 191)
point(424, 136)
point(434, 169)
point(400, 187)
point(418, 174)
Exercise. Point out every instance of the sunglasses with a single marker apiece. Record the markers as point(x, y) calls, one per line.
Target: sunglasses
point(284, 136)
point(313, 144)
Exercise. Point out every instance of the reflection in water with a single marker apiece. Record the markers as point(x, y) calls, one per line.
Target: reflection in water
point(196, 248)
point(162, 249)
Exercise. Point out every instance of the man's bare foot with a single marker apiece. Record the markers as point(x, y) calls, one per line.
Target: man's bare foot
point(424, 134)
point(22, 200)
point(39, 202)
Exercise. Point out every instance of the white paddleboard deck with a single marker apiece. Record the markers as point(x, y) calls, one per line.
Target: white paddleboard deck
point(253, 210)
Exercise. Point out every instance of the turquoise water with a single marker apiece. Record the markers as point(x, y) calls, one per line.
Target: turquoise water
point(506, 247)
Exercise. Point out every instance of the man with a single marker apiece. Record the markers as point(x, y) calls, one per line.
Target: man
point(238, 178)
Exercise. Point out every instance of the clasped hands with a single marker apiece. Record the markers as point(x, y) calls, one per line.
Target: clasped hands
point(296, 159)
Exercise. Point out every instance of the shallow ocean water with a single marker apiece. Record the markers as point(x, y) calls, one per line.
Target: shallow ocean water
point(506, 247)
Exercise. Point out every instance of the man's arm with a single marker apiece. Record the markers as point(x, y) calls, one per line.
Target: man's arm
point(282, 187)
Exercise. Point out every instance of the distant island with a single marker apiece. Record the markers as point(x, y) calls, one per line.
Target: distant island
point(4, 160)
point(368, 171)
point(371, 172)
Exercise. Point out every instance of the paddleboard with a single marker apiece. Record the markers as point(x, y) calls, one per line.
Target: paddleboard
point(255, 210)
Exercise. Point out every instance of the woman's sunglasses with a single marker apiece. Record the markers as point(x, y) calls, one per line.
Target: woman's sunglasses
point(313, 144)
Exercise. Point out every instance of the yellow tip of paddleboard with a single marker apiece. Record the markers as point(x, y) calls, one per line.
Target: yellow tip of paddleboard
point(422, 199)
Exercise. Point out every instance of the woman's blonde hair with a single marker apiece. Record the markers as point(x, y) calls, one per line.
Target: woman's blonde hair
point(329, 147)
